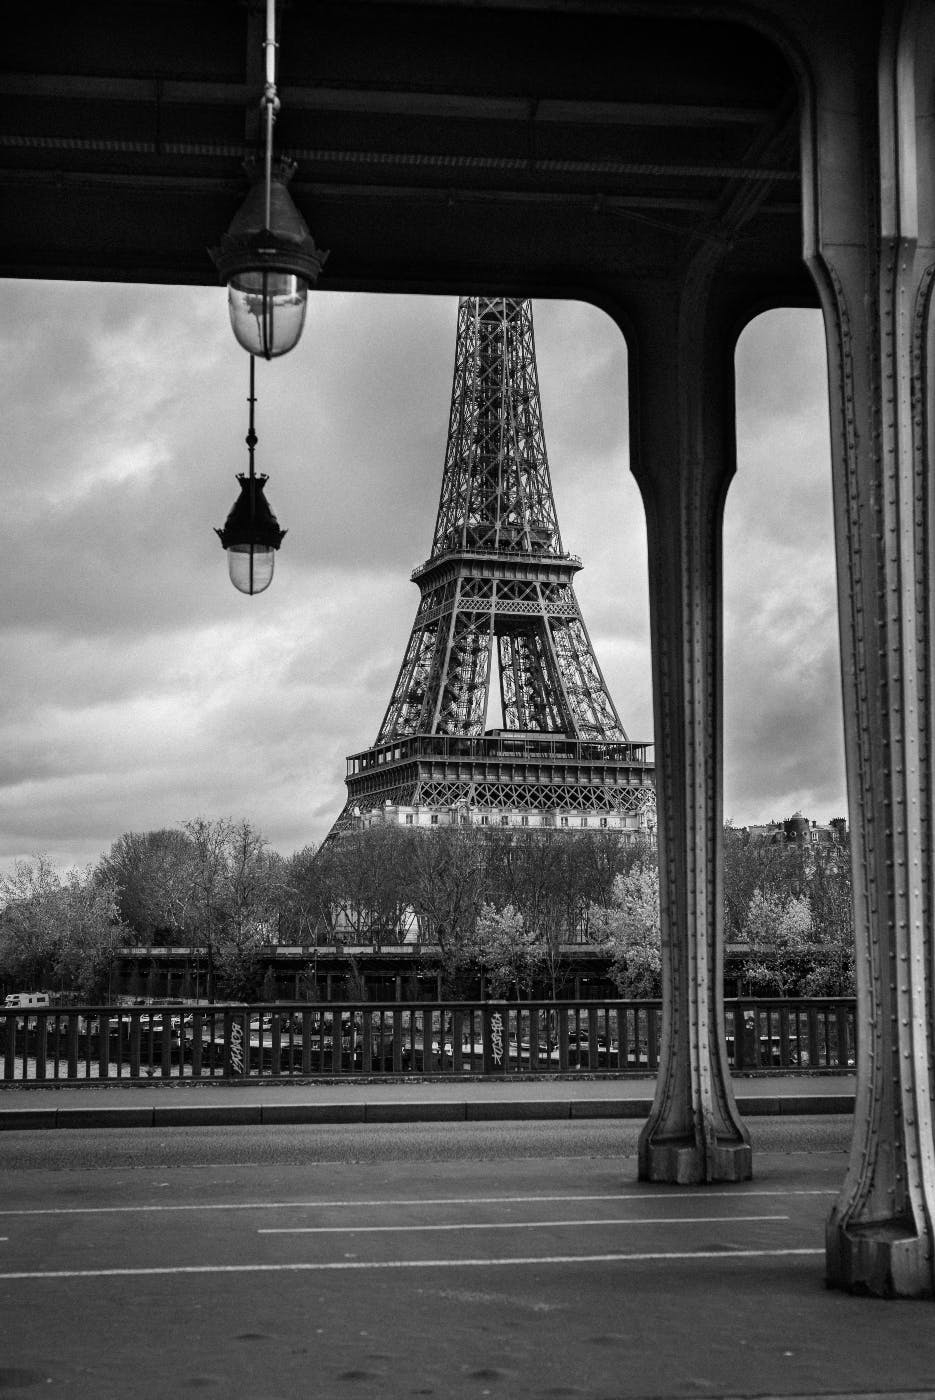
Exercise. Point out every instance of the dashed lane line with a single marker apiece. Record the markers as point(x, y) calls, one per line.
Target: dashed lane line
point(417, 1201)
point(723, 1256)
point(517, 1225)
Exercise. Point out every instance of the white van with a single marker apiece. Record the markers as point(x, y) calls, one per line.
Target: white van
point(20, 999)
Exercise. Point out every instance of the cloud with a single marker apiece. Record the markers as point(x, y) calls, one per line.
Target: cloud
point(783, 721)
point(142, 690)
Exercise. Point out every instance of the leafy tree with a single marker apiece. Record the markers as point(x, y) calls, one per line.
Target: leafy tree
point(30, 911)
point(598, 858)
point(831, 972)
point(216, 886)
point(237, 968)
point(630, 930)
point(92, 932)
point(510, 952)
point(550, 878)
point(151, 873)
point(779, 933)
point(776, 948)
point(57, 931)
point(774, 868)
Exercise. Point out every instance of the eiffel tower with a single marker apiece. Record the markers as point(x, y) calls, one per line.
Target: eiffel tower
point(498, 614)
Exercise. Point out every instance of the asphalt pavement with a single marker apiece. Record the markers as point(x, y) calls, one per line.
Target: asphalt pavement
point(447, 1238)
point(454, 1260)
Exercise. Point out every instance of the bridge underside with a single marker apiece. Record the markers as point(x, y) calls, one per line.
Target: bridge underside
point(440, 146)
point(684, 173)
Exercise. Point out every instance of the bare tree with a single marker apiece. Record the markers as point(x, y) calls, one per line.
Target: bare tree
point(310, 901)
point(234, 892)
point(448, 886)
point(371, 879)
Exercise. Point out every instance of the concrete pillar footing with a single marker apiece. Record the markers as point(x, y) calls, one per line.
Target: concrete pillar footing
point(883, 1260)
point(688, 1163)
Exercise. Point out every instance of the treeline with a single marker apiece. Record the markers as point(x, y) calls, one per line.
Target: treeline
point(504, 904)
point(788, 917)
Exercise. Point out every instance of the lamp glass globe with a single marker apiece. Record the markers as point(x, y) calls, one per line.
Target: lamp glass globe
point(251, 566)
point(267, 311)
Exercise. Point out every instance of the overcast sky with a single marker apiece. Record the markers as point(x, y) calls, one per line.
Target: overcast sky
point(141, 690)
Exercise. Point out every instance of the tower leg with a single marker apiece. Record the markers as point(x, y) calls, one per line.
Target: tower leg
point(682, 449)
point(871, 248)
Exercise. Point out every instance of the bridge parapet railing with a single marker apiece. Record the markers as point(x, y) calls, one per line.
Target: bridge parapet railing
point(283, 1041)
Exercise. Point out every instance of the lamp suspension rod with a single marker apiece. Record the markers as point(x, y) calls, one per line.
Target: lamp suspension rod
point(251, 431)
point(270, 98)
point(251, 444)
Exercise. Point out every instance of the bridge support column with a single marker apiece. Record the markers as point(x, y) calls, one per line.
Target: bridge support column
point(682, 451)
point(870, 239)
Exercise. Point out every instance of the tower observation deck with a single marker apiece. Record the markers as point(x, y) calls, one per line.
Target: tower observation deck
point(498, 617)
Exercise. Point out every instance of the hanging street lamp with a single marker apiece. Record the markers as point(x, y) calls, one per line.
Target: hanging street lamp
point(268, 258)
point(251, 533)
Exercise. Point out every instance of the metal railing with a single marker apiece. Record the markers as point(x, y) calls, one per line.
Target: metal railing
point(521, 745)
point(372, 1039)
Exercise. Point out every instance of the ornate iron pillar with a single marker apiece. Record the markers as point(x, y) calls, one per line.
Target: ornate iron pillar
point(870, 243)
point(682, 453)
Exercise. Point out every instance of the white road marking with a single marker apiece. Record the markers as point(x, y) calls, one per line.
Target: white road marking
point(516, 1225)
point(422, 1201)
point(671, 1256)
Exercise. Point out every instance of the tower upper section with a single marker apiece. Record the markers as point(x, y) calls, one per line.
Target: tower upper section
point(498, 611)
point(496, 493)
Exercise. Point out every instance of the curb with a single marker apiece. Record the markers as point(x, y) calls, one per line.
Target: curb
point(257, 1115)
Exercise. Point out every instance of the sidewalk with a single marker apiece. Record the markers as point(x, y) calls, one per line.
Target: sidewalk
point(175, 1102)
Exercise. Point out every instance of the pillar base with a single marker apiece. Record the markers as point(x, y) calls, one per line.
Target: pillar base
point(885, 1260)
point(685, 1162)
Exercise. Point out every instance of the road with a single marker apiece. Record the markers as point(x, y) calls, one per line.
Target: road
point(467, 1260)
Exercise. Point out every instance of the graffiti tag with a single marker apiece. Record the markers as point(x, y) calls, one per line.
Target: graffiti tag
point(236, 1048)
point(496, 1037)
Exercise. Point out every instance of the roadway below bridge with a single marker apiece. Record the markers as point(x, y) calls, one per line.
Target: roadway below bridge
point(515, 1259)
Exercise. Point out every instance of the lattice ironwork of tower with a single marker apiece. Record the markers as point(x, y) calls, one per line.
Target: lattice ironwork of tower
point(498, 613)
